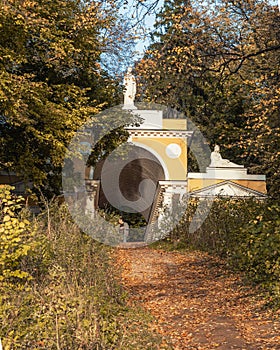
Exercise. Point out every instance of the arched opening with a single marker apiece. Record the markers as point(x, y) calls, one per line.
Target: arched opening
point(142, 165)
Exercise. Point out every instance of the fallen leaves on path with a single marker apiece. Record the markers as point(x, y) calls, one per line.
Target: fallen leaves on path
point(196, 302)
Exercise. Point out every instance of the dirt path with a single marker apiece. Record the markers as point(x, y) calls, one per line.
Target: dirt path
point(197, 304)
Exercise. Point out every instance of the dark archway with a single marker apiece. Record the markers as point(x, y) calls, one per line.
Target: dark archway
point(143, 165)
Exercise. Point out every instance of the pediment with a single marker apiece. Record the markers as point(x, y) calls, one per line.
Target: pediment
point(226, 189)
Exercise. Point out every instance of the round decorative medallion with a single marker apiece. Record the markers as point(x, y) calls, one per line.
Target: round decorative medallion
point(173, 150)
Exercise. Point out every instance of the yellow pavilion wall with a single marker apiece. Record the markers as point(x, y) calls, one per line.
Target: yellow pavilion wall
point(177, 168)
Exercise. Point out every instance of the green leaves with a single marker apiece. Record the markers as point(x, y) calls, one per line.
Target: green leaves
point(51, 81)
point(262, 244)
point(15, 243)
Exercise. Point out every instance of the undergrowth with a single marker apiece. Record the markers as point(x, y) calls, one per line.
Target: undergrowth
point(58, 286)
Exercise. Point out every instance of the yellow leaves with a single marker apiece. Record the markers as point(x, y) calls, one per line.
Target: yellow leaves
point(15, 234)
point(6, 218)
point(22, 225)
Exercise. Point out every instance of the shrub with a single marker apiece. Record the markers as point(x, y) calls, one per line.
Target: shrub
point(16, 238)
point(259, 251)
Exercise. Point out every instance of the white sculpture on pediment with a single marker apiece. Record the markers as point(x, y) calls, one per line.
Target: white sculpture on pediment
point(130, 90)
point(218, 162)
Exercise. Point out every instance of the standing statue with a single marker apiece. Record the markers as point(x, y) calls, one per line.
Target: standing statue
point(130, 89)
point(218, 162)
point(124, 230)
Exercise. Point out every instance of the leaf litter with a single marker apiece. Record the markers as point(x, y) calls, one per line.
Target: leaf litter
point(196, 302)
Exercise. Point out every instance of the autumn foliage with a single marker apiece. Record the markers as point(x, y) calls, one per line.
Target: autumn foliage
point(218, 63)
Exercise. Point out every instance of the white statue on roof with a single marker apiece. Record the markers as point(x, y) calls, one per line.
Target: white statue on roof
point(218, 162)
point(130, 90)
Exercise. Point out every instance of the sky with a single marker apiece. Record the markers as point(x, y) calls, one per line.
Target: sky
point(146, 25)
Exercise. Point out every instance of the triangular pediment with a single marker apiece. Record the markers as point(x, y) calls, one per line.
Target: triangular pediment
point(226, 189)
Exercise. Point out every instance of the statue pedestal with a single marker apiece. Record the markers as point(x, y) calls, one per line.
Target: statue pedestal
point(152, 119)
point(226, 173)
point(130, 107)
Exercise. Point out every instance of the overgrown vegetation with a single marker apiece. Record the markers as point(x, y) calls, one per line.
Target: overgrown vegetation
point(245, 232)
point(58, 286)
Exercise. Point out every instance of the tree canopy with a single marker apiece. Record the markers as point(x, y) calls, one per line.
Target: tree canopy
point(53, 78)
point(220, 66)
